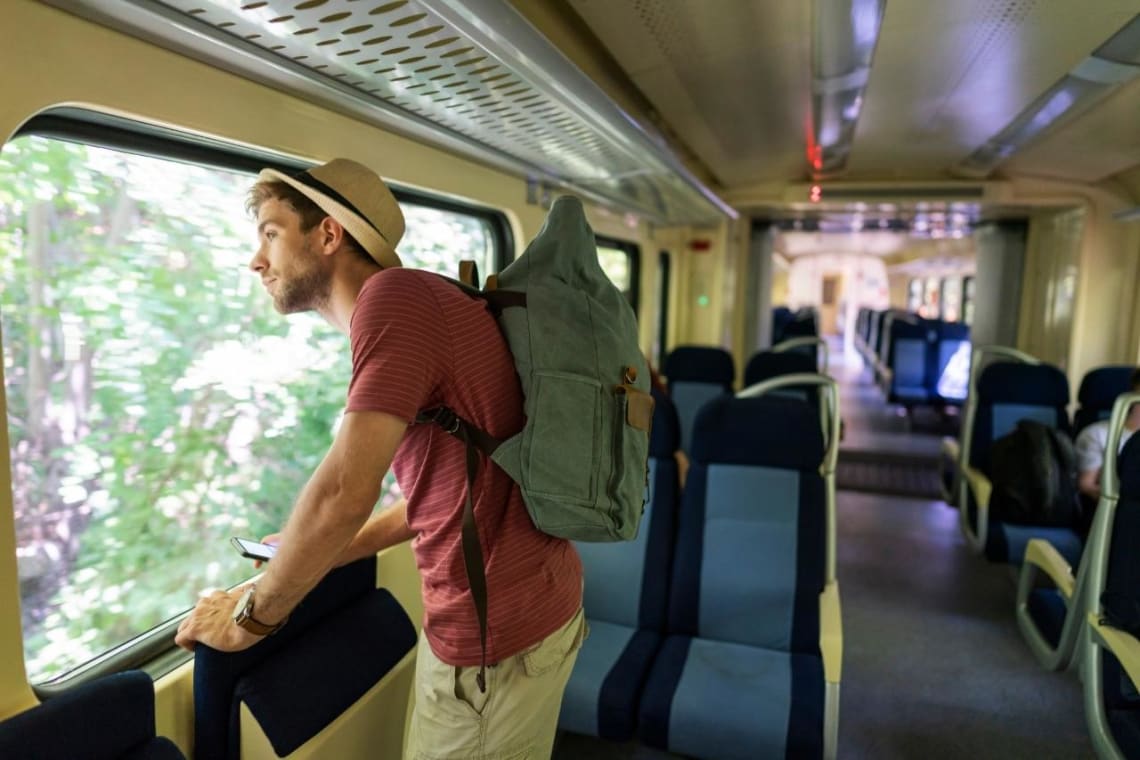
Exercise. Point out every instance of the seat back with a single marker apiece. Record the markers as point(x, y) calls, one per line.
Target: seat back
point(948, 375)
point(1099, 389)
point(1012, 391)
point(106, 719)
point(911, 341)
point(781, 316)
point(343, 638)
point(1111, 693)
point(751, 545)
point(696, 374)
point(627, 581)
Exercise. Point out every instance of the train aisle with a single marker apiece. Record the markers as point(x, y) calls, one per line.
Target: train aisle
point(933, 663)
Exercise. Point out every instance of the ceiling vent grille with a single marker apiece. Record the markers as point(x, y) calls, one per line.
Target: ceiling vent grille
point(439, 63)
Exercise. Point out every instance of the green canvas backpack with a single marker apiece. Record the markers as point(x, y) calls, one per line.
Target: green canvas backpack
point(581, 460)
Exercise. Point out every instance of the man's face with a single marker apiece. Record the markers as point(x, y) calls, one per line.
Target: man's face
point(288, 260)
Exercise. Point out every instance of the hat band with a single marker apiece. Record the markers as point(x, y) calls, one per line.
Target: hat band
point(308, 179)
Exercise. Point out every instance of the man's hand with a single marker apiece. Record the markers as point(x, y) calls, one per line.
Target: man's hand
point(211, 622)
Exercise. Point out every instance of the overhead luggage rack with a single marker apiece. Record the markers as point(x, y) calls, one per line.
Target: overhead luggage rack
point(473, 77)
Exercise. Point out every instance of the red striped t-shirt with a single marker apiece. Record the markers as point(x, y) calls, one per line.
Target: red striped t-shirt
point(419, 342)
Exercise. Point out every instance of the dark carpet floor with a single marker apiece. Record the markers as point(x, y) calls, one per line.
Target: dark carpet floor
point(881, 473)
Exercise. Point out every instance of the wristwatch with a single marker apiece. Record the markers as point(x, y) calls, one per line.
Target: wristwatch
point(243, 615)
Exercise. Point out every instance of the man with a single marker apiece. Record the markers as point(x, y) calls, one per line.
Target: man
point(327, 243)
point(1091, 443)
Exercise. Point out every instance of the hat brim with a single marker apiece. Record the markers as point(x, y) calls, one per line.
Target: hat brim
point(364, 233)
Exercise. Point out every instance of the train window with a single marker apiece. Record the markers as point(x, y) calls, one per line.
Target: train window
point(914, 295)
point(952, 299)
point(621, 263)
point(157, 405)
point(968, 300)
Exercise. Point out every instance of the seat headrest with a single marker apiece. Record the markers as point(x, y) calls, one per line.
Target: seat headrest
point(953, 331)
point(1101, 386)
point(1017, 383)
point(665, 437)
point(771, 431)
point(768, 364)
point(701, 364)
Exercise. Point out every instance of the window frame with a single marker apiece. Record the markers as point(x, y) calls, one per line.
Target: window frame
point(633, 253)
point(154, 650)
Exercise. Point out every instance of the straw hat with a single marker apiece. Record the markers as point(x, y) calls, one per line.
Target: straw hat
point(356, 197)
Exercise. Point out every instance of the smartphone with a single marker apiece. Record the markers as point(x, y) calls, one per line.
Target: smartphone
point(253, 549)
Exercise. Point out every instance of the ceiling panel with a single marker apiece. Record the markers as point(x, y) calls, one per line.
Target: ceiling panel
point(1097, 144)
point(731, 77)
point(947, 76)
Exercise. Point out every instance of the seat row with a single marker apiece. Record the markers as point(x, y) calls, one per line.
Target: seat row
point(698, 374)
point(1091, 615)
point(716, 633)
point(347, 656)
point(916, 361)
point(1007, 386)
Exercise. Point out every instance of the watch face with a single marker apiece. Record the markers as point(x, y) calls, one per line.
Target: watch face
point(241, 609)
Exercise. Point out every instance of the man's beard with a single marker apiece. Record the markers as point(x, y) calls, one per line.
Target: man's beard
point(305, 292)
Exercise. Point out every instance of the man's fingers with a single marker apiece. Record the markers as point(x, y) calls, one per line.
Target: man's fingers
point(184, 637)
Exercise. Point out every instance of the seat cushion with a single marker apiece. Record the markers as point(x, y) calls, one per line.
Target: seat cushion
point(1006, 542)
point(602, 696)
point(724, 701)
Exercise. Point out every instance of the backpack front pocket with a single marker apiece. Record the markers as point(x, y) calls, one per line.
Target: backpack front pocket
point(562, 455)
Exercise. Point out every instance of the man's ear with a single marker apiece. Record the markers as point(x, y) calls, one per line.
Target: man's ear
point(331, 235)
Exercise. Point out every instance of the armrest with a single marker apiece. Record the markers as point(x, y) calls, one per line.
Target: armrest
point(1042, 554)
point(831, 632)
point(1124, 646)
point(980, 485)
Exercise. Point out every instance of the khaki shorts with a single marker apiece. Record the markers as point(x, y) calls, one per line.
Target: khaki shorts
point(515, 719)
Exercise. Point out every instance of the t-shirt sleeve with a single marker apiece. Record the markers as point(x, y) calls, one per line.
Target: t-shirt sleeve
point(399, 346)
point(1090, 447)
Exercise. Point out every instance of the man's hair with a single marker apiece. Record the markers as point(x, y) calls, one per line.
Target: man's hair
point(311, 214)
point(1134, 380)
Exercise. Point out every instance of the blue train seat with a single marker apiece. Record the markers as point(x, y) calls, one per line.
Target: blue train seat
point(111, 718)
point(741, 673)
point(767, 364)
point(781, 317)
point(1050, 615)
point(1008, 392)
point(911, 340)
point(696, 374)
point(1110, 657)
point(625, 597)
point(948, 376)
point(340, 642)
point(1099, 389)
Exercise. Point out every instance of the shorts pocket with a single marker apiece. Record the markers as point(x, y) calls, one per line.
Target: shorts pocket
point(555, 648)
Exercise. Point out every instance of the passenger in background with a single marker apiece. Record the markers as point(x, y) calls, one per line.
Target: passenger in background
point(1092, 441)
point(327, 244)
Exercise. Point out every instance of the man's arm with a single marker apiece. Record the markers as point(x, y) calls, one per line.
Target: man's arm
point(330, 512)
point(383, 529)
point(1089, 483)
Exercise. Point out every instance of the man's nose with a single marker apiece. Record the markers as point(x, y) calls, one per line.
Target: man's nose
point(258, 262)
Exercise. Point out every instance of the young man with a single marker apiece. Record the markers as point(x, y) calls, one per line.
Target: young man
point(327, 243)
point(1092, 440)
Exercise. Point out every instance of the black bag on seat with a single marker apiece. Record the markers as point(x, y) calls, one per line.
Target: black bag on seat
point(1034, 476)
